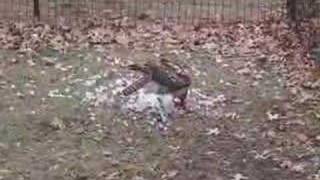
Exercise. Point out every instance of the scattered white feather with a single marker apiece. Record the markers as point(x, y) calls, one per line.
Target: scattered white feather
point(57, 93)
point(89, 83)
point(143, 101)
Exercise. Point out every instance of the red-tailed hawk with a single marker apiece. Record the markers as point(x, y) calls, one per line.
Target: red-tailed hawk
point(170, 77)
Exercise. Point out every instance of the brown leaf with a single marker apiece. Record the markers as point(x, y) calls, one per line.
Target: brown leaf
point(122, 39)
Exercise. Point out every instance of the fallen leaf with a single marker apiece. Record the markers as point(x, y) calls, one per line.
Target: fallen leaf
point(122, 39)
point(272, 116)
point(299, 168)
point(239, 176)
point(48, 61)
point(113, 175)
point(214, 131)
point(58, 124)
point(244, 71)
point(172, 173)
point(302, 137)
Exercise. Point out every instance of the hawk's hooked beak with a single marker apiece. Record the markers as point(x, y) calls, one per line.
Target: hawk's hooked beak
point(178, 103)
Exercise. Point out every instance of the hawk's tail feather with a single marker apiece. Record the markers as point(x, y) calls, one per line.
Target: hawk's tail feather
point(136, 67)
point(135, 86)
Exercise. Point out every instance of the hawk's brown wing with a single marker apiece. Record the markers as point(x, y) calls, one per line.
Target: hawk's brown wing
point(170, 79)
point(165, 74)
point(174, 66)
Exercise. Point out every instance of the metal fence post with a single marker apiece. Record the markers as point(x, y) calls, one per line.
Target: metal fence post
point(292, 10)
point(36, 9)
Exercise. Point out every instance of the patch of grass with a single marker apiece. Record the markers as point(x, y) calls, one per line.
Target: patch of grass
point(13, 131)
